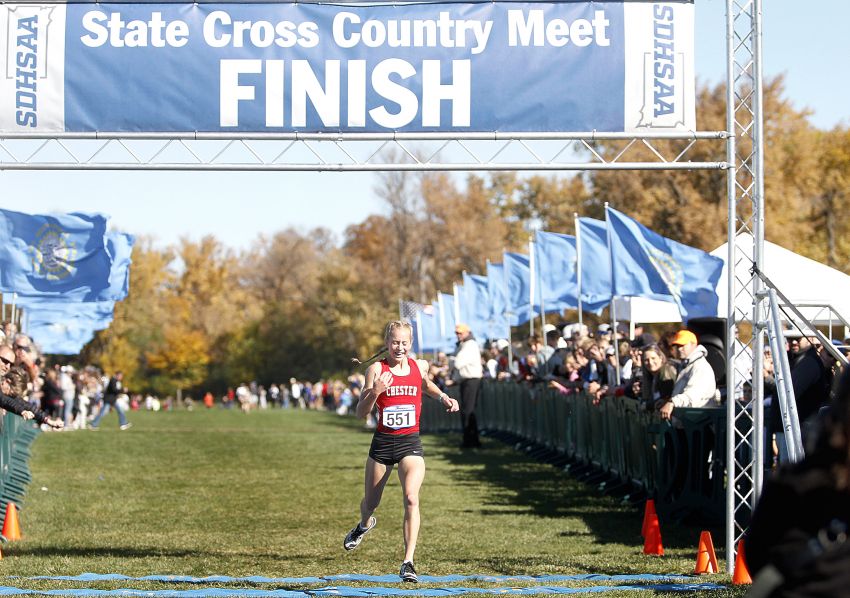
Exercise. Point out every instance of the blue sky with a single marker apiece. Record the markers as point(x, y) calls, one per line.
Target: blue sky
point(806, 42)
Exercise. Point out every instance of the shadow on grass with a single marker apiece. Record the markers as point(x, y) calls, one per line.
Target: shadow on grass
point(523, 486)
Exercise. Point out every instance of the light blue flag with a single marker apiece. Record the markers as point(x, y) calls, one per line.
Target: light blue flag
point(446, 304)
point(595, 264)
point(428, 320)
point(475, 305)
point(498, 300)
point(54, 256)
point(556, 256)
point(120, 249)
point(98, 313)
point(518, 278)
point(65, 338)
point(649, 265)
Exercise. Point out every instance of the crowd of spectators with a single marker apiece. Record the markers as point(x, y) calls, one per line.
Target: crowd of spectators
point(64, 397)
point(672, 370)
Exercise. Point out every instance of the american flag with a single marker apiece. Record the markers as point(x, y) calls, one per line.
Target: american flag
point(408, 309)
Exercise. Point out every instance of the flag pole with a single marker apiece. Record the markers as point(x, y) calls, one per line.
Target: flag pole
point(457, 304)
point(508, 315)
point(531, 285)
point(14, 300)
point(442, 315)
point(613, 306)
point(420, 351)
point(578, 269)
point(542, 304)
point(489, 307)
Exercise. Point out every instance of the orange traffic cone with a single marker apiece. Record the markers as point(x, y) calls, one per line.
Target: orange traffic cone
point(11, 529)
point(652, 543)
point(741, 574)
point(648, 511)
point(706, 559)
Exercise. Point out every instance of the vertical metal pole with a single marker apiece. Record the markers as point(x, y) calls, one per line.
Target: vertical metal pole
point(532, 273)
point(456, 303)
point(578, 267)
point(490, 322)
point(732, 220)
point(442, 316)
point(758, 229)
point(508, 315)
point(419, 349)
point(613, 296)
point(731, 281)
point(542, 299)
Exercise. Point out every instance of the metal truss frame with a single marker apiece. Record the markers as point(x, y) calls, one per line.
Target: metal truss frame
point(352, 152)
point(744, 356)
point(744, 163)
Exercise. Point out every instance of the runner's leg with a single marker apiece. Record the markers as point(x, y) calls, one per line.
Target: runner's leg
point(411, 472)
point(377, 475)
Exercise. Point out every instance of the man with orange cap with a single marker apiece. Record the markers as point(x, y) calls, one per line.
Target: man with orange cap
point(695, 385)
point(468, 371)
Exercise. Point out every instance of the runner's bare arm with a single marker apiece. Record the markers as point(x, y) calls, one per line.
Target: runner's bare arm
point(433, 390)
point(375, 384)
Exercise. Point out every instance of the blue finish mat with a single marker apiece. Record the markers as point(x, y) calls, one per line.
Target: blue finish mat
point(364, 578)
point(349, 591)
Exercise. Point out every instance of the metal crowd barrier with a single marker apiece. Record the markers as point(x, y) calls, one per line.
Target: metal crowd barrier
point(16, 437)
point(680, 464)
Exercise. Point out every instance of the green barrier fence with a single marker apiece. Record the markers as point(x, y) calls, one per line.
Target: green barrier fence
point(681, 464)
point(16, 437)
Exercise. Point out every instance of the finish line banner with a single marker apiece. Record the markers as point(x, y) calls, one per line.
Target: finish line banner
point(450, 67)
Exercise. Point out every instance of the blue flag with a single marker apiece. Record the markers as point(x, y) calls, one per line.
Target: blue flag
point(61, 338)
point(497, 289)
point(99, 313)
point(556, 271)
point(649, 265)
point(446, 305)
point(475, 304)
point(120, 249)
point(595, 264)
point(427, 330)
point(518, 280)
point(54, 256)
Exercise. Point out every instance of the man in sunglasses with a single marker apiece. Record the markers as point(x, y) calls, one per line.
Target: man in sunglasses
point(7, 359)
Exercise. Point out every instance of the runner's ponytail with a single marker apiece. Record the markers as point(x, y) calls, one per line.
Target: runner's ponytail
point(358, 363)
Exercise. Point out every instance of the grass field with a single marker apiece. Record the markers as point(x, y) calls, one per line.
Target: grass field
point(272, 494)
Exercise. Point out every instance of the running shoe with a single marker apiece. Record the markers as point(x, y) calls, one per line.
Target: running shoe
point(353, 538)
point(126, 426)
point(408, 573)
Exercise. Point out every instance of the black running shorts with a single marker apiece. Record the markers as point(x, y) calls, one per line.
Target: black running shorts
point(389, 449)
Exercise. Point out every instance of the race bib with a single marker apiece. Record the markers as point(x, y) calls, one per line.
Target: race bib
point(399, 416)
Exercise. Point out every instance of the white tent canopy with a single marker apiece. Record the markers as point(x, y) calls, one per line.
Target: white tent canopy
point(646, 311)
point(802, 280)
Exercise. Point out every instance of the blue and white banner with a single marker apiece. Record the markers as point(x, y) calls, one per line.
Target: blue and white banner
point(301, 67)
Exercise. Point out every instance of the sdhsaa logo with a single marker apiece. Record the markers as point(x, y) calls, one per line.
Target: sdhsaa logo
point(53, 253)
point(26, 58)
point(664, 75)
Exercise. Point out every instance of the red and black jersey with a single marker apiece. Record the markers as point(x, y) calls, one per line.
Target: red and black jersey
point(400, 407)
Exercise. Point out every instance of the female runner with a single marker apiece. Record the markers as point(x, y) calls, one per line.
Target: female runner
point(395, 384)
